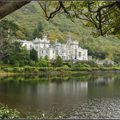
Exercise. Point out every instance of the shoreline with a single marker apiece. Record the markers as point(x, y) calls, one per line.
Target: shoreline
point(54, 71)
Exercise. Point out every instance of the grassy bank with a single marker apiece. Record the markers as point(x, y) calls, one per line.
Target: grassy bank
point(55, 70)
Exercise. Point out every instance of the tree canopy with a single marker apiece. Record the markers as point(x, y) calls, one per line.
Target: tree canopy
point(102, 15)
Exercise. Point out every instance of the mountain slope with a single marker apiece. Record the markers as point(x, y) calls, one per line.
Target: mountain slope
point(30, 15)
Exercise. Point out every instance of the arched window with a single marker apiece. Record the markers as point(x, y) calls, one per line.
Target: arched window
point(75, 53)
point(30, 46)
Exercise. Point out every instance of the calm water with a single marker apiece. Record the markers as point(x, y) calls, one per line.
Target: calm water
point(78, 96)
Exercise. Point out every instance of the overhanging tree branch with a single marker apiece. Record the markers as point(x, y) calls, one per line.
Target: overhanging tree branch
point(9, 7)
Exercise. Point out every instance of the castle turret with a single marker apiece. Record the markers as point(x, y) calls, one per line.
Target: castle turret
point(68, 39)
point(68, 45)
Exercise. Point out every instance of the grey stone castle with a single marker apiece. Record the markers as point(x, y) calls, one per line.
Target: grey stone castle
point(68, 51)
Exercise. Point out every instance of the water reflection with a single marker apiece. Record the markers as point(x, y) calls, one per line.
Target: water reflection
point(104, 81)
point(76, 96)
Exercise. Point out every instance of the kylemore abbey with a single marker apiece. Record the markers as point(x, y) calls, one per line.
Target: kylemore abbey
point(68, 51)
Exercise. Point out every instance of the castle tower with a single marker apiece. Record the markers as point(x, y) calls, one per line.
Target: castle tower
point(68, 45)
point(68, 39)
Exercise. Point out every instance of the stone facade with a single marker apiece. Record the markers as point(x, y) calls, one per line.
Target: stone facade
point(69, 51)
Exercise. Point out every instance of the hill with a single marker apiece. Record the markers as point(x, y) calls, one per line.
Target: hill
point(100, 47)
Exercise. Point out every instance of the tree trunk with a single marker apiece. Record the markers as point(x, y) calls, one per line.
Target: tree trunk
point(9, 7)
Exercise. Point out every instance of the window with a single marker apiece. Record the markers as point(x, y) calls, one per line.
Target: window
point(36, 47)
point(79, 54)
point(30, 46)
point(75, 53)
point(83, 58)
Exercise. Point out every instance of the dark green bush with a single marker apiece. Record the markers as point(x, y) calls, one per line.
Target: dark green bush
point(6, 113)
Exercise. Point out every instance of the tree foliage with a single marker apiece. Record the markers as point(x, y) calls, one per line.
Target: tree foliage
point(33, 55)
point(58, 62)
point(11, 51)
point(42, 62)
point(17, 56)
point(7, 29)
point(38, 31)
point(83, 12)
point(102, 15)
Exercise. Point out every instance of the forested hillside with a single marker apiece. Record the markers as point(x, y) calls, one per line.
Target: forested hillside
point(32, 23)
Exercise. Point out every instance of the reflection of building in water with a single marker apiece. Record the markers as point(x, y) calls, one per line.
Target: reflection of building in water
point(100, 81)
point(84, 88)
point(84, 85)
point(104, 81)
point(69, 88)
point(111, 80)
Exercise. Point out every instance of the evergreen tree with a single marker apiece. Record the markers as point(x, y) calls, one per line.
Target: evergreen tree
point(38, 31)
point(58, 62)
point(42, 62)
point(16, 54)
point(33, 55)
point(48, 61)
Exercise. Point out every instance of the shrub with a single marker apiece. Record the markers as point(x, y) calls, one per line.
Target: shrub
point(15, 69)
point(86, 64)
point(68, 63)
point(58, 62)
point(32, 63)
point(43, 68)
point(28, 69)
point(5, 113)
point(18, 69)
point(6, 69)
point(42, 63)
point(16, 64)
point(65, 67)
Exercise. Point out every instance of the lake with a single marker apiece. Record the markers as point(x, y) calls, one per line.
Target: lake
point(71, 96)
